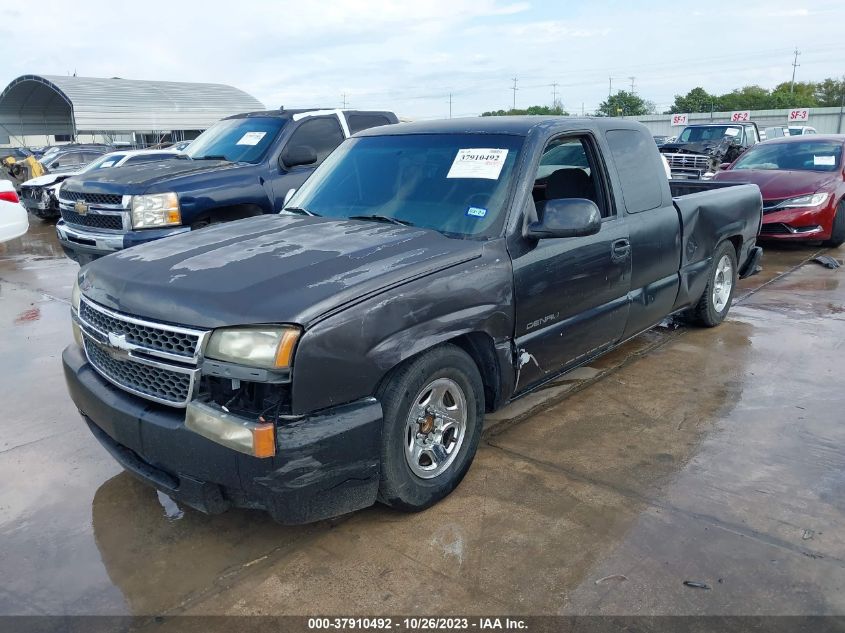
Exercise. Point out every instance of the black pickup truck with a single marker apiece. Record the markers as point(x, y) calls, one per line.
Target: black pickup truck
point(345, 350)
point(240, 167)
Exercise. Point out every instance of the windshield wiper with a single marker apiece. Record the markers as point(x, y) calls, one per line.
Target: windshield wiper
point(212, 157)
point(300, 211)
point(381, 218)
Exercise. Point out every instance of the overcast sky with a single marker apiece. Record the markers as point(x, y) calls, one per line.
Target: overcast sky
point(408, 56)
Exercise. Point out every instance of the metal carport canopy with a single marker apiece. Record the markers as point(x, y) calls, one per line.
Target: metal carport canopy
point(56, 104)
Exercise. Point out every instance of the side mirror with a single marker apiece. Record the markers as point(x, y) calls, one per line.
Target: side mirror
point(299, 155)
point(567, 217)
point(53, 165)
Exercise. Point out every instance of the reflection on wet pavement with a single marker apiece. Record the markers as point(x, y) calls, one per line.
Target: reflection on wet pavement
point(708, 456)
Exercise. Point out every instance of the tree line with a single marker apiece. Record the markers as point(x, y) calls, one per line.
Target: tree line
point(803, 94)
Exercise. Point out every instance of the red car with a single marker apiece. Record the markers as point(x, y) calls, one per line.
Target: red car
point(801, 179)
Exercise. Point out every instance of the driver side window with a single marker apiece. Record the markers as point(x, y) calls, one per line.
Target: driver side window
point(322, 134)
point(567, 170)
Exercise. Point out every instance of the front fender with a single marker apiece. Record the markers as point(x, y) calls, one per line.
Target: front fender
point(344, 357)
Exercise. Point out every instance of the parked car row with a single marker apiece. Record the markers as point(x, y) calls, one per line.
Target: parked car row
point(311, 361)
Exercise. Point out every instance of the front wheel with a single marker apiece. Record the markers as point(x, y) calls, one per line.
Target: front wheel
point(837, 234)
point(714, 304)
point(433, 413)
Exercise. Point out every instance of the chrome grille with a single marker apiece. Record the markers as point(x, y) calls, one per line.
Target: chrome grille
point(153, 360)
point(154, 382)
point(694, 161)
point(94, 220)
point(92, 198)
point(178, 342)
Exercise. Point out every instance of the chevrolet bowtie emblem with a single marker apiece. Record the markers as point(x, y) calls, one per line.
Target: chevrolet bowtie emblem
point(118, 341)
point(81, 207)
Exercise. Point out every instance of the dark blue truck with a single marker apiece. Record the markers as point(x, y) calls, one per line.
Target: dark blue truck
point(245, 165)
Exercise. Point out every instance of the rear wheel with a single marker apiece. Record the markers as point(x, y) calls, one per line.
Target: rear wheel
point(433, 414)
point(714, 304)
point(837, 234)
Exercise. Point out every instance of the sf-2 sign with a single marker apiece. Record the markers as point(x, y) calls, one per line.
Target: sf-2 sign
point(799, 114)
point(679, 119)
point(740, 116)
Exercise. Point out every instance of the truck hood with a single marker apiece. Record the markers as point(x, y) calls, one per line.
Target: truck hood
point(269, 269)
point(776, 184)
point(158, 176)
point(48, 179)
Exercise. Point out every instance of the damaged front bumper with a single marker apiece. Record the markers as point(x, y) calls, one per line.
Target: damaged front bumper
point(325, 464)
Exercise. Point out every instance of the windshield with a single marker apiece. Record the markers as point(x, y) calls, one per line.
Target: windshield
point(103, 162)
point(453, 183)
point(236, 140)
point(709, 133)
point(806, 156)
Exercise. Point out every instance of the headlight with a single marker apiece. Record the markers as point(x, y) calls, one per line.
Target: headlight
point(811, 200)
point(265, 346)
point(155, 210)
point(75, 296)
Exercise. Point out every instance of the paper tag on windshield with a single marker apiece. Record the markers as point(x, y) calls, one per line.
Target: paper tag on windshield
point(824, 161)
point(731, 131)
point(108, 163)
point(251, 138)
point(480, 162)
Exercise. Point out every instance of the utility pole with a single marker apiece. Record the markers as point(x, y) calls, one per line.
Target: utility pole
point(632, 84)
point(795, 65)
point(514, 92)
point(344, 100)
point(554, 94)
point(841, 107)
point(450, 105)
point(609, 87)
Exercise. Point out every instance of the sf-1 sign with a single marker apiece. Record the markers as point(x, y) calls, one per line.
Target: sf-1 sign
point(679, 119)
point(799, 114)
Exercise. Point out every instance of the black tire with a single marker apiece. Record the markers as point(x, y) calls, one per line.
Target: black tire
point(837, 234)
point(400, 487)
point(705, 312)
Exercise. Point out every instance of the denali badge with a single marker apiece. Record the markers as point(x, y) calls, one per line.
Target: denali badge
point(80, 207)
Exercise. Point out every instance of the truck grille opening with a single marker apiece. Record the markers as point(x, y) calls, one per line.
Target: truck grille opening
point(148, 336)
point(92, 198)
point(153, 360)
point(93, 220)
point(164, 385)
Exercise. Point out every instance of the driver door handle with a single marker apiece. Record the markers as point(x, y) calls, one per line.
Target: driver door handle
point(620, 249)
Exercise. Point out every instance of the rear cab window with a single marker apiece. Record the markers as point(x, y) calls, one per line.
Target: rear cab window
point(358, 121)
point(631, 152)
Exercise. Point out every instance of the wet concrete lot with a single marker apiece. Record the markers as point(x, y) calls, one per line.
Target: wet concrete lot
point(712, 456)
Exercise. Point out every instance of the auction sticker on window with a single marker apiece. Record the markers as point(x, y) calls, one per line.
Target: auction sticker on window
point(478, 162)
point(251, 138)
point(824, 161)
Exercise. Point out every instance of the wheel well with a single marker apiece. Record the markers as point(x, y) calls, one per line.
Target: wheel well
point(736, 240)
point(229, 213)
point(482, 350)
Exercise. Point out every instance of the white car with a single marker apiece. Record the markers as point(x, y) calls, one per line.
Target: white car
point(40, 195)
point(801, 130)
point(14, 220)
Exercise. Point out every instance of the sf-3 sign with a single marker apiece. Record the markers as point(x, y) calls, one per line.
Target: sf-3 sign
point(799, 114)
